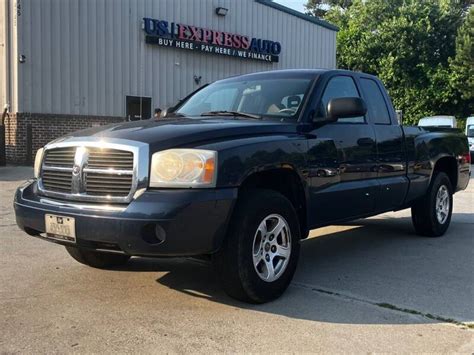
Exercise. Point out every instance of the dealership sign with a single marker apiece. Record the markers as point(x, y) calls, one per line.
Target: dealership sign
point(177, 35)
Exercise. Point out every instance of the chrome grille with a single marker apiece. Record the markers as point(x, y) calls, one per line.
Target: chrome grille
point(60, 157)
point(110, 158)
point(93, 172)
point(108, 184)
point(57, 180)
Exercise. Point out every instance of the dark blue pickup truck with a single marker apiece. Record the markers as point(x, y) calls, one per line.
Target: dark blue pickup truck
point(242, 170)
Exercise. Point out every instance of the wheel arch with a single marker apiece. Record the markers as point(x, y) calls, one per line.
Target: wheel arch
point(449, 166)
point(285, 181)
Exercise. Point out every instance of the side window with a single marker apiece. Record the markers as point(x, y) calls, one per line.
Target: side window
point(340, 86)
point(375, 102)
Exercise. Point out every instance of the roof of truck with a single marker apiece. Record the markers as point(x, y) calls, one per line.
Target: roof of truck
point(293, 73)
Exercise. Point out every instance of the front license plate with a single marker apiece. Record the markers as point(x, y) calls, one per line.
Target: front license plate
point(60, 227)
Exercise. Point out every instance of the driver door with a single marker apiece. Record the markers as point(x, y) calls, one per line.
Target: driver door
point(344, 187)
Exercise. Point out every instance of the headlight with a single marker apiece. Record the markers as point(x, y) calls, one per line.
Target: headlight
point(38, 162)
point(183, 168)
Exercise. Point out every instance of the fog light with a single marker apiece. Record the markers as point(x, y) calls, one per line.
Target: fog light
point(160, 233)
point(153, 233)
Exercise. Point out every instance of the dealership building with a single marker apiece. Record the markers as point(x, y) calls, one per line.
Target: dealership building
point(72, 64)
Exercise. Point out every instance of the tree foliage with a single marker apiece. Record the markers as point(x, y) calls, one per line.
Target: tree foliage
point(422, 50)
point(462, 64)
point(319, 8)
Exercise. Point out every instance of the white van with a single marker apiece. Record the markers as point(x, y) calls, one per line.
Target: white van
point(438, 121)
point(470, 134)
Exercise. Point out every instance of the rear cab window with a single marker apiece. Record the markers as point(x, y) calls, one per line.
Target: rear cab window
point(377, 107)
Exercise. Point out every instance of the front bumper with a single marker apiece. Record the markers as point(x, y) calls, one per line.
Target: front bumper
point(192, 222)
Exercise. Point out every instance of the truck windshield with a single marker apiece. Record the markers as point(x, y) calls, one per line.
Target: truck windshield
point(470, 131)
point(278, 98)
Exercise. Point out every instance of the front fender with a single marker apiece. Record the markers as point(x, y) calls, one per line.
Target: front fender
point(240, 158)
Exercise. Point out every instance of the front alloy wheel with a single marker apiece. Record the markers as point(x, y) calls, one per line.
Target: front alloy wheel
point(259, 255)
point(272, 248)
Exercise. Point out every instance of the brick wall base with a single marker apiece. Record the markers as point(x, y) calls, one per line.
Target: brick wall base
point(44, 128)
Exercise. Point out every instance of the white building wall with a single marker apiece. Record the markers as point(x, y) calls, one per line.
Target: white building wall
point(84, 56)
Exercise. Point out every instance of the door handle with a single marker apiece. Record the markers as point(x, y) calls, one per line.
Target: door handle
point(366, 141)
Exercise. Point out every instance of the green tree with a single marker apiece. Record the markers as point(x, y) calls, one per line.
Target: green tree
point(462, 65)
point(409, 45)
point(319, 8)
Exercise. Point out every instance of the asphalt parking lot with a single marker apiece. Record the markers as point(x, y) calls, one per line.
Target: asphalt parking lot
point(369, 286)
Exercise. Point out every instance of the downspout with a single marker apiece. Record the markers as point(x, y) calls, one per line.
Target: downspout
point(8, 95)
point(8, 61)
point(8, 70)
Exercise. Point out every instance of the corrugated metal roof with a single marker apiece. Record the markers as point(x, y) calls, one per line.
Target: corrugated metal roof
point(309, 18)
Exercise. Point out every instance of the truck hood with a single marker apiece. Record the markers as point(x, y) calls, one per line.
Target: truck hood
point(167, 133)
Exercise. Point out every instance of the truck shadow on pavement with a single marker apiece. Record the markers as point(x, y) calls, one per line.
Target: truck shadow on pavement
point(374, 271)
point(14, 173)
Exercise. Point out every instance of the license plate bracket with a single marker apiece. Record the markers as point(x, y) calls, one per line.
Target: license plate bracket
point(62, 228)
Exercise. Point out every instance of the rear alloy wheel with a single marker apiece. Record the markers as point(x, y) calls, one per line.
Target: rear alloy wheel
point(443, 204)
point(259, 255)
point(431, 215)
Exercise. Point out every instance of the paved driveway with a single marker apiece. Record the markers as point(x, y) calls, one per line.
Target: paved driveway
point(369, 286)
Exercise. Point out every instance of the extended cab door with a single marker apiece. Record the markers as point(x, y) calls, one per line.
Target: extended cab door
point(345, 187)
point(391, 163)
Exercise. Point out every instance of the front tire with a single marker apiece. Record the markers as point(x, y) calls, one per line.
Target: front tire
point(259, 256)
point(97, 259)
point(431, 215)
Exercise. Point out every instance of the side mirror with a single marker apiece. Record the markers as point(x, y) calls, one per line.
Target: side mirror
point(344, 107)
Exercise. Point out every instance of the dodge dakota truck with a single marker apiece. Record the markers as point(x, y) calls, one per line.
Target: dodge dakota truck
point(240, 171)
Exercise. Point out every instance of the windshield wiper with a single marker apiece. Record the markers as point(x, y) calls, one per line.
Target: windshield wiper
point(230, 113)
point(174, 114)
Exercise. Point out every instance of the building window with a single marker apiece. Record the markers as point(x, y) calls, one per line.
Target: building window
point(138, 108)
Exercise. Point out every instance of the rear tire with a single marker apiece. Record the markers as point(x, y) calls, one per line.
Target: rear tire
point(431, 215)
point(259, 256)
point(97, 259)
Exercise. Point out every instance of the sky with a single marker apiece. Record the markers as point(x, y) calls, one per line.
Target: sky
point(293, 4)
